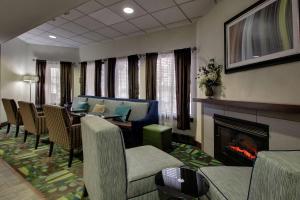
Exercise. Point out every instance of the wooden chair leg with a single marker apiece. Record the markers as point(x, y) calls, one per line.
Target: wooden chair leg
point(85, 193)
point(17, 130)
point(8, 128)
point(71, 157)
point(51, 148)
point(37, 141)
point(25, 136)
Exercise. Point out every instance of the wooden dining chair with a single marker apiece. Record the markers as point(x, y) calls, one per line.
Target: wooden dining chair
point(34, 122)
point(12, 114)
point(62, 131)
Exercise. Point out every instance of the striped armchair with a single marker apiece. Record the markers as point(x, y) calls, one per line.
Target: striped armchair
point(12, 114)
point(34, 122)
point(62, 131)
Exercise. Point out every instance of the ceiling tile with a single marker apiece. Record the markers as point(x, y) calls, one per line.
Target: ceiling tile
point(169, 15)
point(145, 22)
point(74, 28)
point(90, 6)
point(89, 23)
point(182, 1)
point(155, 29)
point(125, 27)
point(106, 16)
point(137, 33)
point(118, 8)
point(109, 32)
point(94, 36)
point(108, 2)
point(73, 14)
point(46, 27)
point(178, 24)
point(197, 8)
point(81, 39)
point(35, 31)
point(154, 5)
point(27, 35)
point(62, 32)
point(58, 21)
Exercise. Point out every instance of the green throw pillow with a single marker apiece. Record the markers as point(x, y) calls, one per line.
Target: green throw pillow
point(123, 111)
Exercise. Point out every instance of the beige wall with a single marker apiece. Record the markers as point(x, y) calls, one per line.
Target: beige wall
point(17, 60)
point(277, 84)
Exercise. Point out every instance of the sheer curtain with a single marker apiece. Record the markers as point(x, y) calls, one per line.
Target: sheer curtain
point(90, 79)
point(104, 79)
point(166, 90)
point(121, 78)
point(52, 83)
point(142, 77)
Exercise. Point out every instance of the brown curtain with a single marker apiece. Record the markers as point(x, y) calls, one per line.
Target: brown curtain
point(111, 65)
point(40, 86)
point(151, 66)
point(65, 82)
point(98, 68)
point(182, 73)
point(83, 78)
point(133, 76)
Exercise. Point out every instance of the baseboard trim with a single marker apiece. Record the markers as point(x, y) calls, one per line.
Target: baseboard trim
point(3, 124)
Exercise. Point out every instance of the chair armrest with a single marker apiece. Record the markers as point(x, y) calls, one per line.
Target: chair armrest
point(75, 136)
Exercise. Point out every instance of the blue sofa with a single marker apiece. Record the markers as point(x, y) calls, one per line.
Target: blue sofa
point(143, 112)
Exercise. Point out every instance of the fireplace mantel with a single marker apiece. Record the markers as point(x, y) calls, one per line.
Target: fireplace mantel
point(270, 107)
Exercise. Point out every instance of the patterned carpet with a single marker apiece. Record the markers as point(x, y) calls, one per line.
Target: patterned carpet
point(52, 176)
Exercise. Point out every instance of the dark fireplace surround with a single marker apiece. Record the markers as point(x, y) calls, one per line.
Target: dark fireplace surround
point(236, 141)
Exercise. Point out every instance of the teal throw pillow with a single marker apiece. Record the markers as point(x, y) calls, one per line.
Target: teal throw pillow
point(81, 105)
point(123, 111)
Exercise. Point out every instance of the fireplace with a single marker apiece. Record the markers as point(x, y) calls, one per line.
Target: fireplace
point(237, 141)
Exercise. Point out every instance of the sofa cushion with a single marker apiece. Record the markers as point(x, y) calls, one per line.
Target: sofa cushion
point(227, 182)
point(111, 105)
point(139, 110)
point(93, 101)
point(76, 100)
point(143, 163)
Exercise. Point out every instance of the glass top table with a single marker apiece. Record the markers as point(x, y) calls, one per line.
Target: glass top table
point(181, 183)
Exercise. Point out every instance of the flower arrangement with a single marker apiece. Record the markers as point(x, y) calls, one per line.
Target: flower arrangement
point(210, 76)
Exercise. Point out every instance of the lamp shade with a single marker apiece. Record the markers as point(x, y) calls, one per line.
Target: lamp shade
point(31, 78)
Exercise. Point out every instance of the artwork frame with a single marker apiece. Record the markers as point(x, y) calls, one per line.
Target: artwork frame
point(236, 51)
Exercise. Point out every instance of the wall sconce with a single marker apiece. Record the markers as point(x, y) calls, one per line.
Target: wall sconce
point(30, 79)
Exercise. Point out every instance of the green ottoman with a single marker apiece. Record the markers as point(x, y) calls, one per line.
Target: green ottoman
point(158, 136)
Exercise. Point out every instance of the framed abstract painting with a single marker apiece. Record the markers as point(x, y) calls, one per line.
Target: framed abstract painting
point(265, 34)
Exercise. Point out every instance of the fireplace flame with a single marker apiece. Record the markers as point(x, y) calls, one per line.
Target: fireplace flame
point(244, 152)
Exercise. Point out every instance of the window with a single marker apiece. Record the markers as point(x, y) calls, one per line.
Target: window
point(121, 78)
point(142, 77)
point(90, 79)
point(166, 88)
point(52, 83)
point(104, 80)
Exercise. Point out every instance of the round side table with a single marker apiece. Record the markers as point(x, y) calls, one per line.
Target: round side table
point(181, 183)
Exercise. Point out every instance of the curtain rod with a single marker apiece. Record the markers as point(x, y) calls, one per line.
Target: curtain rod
point(143, 54)
point(35, 59)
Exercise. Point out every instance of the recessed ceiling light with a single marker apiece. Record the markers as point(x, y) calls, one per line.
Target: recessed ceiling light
point(128, 10)
point(52, 36)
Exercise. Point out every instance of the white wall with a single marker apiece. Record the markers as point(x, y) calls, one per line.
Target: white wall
point(154, 42)
point(277, 84)
point(17, 60)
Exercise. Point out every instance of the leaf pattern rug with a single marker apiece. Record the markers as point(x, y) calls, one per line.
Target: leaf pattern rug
point(52, 176)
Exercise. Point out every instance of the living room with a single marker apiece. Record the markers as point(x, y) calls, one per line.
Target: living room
point(219, 136)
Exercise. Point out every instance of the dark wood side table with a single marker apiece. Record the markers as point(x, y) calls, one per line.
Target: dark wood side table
point(181, 183)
